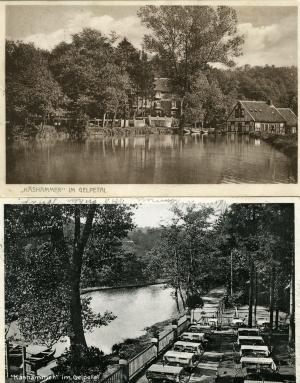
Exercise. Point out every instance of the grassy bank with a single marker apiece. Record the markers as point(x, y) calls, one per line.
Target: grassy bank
point(288, 144)
point(130, 347)
point(85, 290)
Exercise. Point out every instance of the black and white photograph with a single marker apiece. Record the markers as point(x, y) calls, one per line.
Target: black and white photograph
point(150, 291)
point(143, 93)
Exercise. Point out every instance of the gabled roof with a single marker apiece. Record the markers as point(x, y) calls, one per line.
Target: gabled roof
point(289, 116)
point(262, 111)
point(162, 84)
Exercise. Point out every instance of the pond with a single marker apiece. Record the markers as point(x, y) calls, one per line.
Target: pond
point(151, 159)
point(136, 308)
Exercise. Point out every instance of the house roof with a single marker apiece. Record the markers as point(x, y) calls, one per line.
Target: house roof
point(162, 84)
point(289, 116)
point(262, 112)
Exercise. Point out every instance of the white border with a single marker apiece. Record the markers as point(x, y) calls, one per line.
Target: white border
point(296, 201)
point(135, 190)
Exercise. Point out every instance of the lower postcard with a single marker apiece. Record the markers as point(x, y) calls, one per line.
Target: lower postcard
point(150, 290)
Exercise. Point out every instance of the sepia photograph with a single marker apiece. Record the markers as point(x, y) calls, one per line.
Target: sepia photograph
point(150, 94)
point(169, 291)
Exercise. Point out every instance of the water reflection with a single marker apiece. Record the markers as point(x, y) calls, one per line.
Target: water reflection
point(135, 308)
point(153, 158)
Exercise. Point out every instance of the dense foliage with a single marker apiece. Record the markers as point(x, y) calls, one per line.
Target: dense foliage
point(131, 262)
point(47, 248)
point(249, 248)
point(101, 76)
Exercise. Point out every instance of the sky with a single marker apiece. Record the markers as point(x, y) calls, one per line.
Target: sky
point(154, 214)
point(270, 31)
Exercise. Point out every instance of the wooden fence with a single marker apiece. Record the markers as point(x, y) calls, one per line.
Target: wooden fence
point(181, 319)
point(183, 326)
point(114, 377)
point(165, 341)
point(141, 360)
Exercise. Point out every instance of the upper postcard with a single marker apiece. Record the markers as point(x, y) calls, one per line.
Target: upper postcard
point(139, 99)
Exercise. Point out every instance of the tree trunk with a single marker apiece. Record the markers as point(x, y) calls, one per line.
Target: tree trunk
point(124, 115)
point(292, 308)
point(177, 279)
point(271, 304)
point(182, 298)
point(181, 121)
point(276, 316)
point(176, 299)
point(251, 293)
point(189, 284)
point(255, 297)
point(114, 118)
point(77, 336)
point(231, 275)
point(103, 122)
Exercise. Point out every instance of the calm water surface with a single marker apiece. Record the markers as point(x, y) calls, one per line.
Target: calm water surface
point(155, 158)
point(136, 308)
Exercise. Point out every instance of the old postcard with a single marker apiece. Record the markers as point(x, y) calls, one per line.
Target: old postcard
point(151, 291)
point(150, 99)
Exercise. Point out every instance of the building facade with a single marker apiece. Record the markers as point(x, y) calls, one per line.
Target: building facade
point(261, 116)
point(163, 103)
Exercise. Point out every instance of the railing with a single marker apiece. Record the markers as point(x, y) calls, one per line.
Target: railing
point(114, 377)
point(165, 341)
point(181, 319)
point(137, 363)
point(182, 327)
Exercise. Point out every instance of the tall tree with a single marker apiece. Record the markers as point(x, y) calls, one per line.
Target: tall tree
point(88, 74)
point(46, 249)
point(187, 38)
point(185, 251)
point(263, 236)
point(30, 86)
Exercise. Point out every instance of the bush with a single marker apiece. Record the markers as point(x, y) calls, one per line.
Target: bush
point(81, 361)
point(194, 301)
point(129, 348)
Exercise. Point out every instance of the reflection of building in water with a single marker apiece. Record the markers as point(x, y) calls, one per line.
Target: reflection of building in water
point(261, 116)
point(139, 141)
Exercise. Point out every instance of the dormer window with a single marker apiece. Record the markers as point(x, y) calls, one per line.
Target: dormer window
point(158, 95)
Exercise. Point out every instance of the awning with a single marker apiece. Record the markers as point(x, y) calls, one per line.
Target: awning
point(254, 348)
point(262, 361)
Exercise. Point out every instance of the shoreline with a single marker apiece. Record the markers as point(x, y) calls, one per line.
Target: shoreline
point(86, 290)
point(287, 144)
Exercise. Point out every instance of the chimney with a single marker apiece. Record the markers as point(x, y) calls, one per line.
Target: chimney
point(269, 102)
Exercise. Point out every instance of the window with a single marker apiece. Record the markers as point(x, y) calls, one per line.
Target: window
point(242, 113)
point(237, 113)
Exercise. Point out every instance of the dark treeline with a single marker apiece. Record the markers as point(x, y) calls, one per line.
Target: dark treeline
point(101, 76)
point(131, 264)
